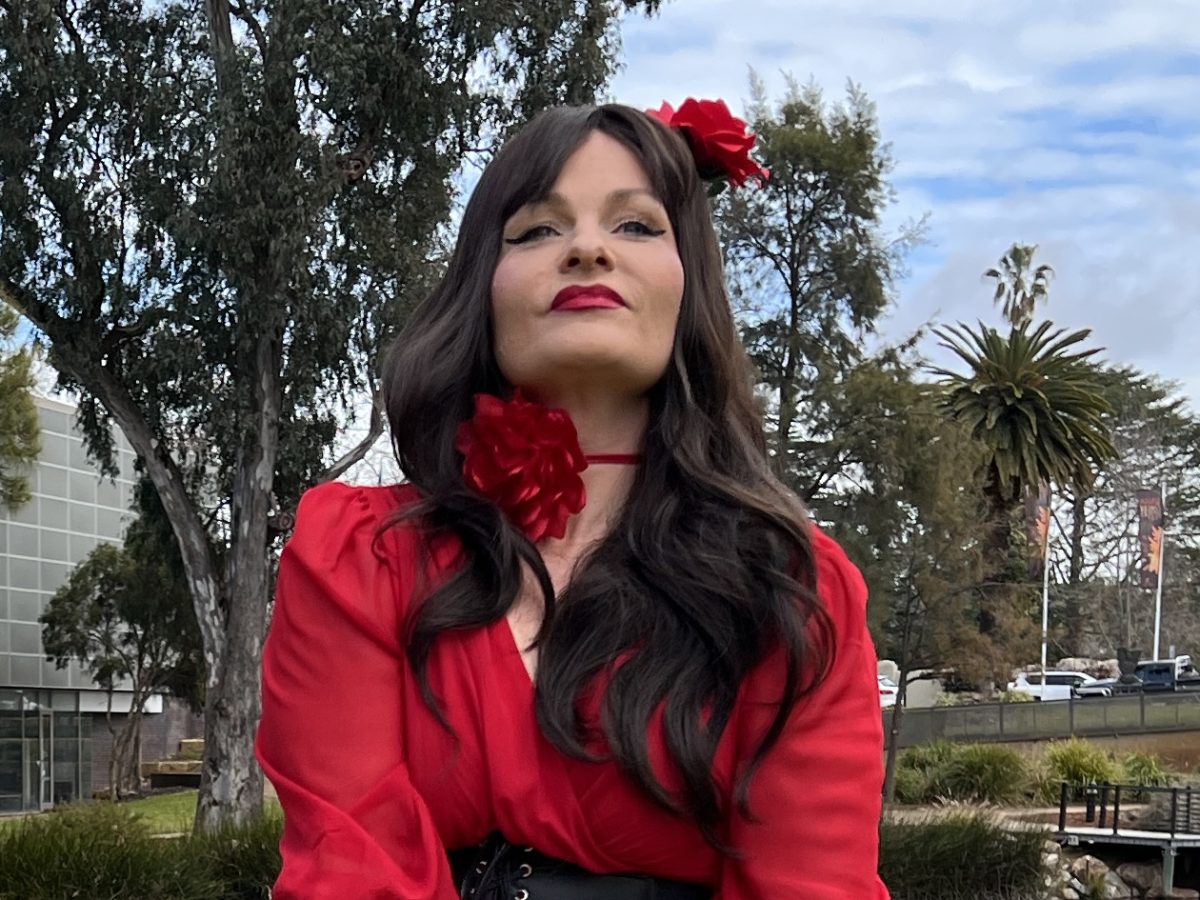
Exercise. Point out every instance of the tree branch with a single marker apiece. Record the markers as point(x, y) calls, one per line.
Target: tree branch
point(252, 23)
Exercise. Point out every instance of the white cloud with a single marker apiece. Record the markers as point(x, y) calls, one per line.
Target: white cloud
point(1073, 125)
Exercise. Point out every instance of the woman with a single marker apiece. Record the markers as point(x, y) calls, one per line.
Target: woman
point(592, 648)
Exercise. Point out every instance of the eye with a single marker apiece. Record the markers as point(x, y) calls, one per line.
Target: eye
point(532, 234)
point(639, 228)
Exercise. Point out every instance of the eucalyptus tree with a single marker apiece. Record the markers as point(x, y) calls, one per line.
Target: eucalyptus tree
point(215, 214)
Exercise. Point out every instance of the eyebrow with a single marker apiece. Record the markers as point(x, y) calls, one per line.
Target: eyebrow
point(559, 202)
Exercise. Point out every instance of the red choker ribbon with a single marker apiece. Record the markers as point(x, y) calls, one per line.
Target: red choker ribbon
point(720, 141)
point(526, 458)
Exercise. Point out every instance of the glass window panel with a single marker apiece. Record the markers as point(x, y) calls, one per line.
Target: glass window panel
point(78, 456)
point(108, 494)
point(23, 541)
point(52, 481)
point(25, 637)
point(3, 536)
point(3, 603)
point(82, 487)
point(83, 518)
point(126, 465)
point(55, 449)
point(4, 637)
point(54, 575)
point(25, 606)
point(110, 524)
point(25, 670)
point(64, 701)
point(54, 513)
point(54, 545)
point(80, 546)
point(22, 574)
point(54, 420)
point(26, 513)
point(10, 723)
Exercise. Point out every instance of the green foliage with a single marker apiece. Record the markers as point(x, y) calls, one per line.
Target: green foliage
point(980, 773)
point(1144, 769)
point(98, 850)
point(811, 269)
point(20, 433)
point(1033, 401)
point(1007, 696)
point(960, 856)
point(1079, 763)
point(244, 860)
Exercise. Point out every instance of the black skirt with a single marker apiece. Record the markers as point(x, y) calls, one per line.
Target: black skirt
point(497, 870)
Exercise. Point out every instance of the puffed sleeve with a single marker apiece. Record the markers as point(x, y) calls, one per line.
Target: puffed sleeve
point(330, 735)
point(817, 797)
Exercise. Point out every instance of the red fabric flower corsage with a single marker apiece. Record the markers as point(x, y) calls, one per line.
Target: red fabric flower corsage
point(720, 141)
point(525, 458)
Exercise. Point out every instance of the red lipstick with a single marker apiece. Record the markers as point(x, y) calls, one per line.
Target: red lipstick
point(587, 296)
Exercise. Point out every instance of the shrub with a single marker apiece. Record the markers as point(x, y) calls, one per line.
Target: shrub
point(1015, 697)
point(963, 855)
point(245, 860)
point(1077, 762)
point(910, 786)
point(1145, 769)
point(982, 773)
point(98, 850)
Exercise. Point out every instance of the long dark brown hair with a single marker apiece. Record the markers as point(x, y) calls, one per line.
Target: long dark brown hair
point(709, 566)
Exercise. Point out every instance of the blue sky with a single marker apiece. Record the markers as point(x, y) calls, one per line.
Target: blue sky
point(1074, 125)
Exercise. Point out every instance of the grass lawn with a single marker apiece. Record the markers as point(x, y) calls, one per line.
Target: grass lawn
point(163, 813)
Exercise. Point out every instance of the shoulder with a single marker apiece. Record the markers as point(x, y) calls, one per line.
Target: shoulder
point(343, 563)
point(840, 585)
point(337, 523)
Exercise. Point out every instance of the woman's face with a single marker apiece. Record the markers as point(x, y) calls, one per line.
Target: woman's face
point(588, 286)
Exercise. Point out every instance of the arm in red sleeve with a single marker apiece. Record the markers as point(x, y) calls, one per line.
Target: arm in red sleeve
point(330, 739)
point(818, 794)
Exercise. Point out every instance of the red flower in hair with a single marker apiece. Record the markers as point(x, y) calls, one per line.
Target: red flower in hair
point(525, 458)
point(720, 141)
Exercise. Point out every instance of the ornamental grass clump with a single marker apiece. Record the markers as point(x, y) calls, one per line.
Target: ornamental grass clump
point(982, 773)
point(1079, 764)
point(959, 856)
point(98, 850)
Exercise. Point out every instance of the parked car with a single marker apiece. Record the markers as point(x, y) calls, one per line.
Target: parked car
point(888, 692)
point(1058, 686)
point(1176, 674)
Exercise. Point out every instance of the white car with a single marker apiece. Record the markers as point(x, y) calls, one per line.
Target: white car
point(888, 692)
point(1058, 686)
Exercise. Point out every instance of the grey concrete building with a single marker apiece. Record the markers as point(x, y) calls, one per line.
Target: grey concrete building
point(47, 715)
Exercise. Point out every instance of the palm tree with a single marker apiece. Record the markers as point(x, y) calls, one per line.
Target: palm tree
point(1036, 404)
point(1019, 286)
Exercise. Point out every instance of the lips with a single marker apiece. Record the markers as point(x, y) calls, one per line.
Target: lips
point(587, 296)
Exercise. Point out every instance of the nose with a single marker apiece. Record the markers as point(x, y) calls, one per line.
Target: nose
point(587, 250)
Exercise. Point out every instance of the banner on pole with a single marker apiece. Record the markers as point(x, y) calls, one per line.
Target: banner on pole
point(1037, 529)
point(1150, 536)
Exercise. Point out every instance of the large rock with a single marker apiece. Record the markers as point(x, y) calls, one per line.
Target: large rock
point(1095, 874)
point(1140, 875)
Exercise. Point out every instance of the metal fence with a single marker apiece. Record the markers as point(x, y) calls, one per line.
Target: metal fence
point(1093, 717)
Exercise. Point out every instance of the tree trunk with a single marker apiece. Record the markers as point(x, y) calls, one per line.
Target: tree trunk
point(1078, 526)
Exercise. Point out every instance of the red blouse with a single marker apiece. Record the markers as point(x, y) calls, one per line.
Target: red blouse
point(373, 788)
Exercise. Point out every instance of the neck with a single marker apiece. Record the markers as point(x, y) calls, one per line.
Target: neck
point(606, 425)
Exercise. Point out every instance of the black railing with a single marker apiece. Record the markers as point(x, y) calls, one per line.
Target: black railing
point(1182, 808)
point(1140, 713)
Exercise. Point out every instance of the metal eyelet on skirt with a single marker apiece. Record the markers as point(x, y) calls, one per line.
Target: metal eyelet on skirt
point(522, 894)
point(525, 870)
